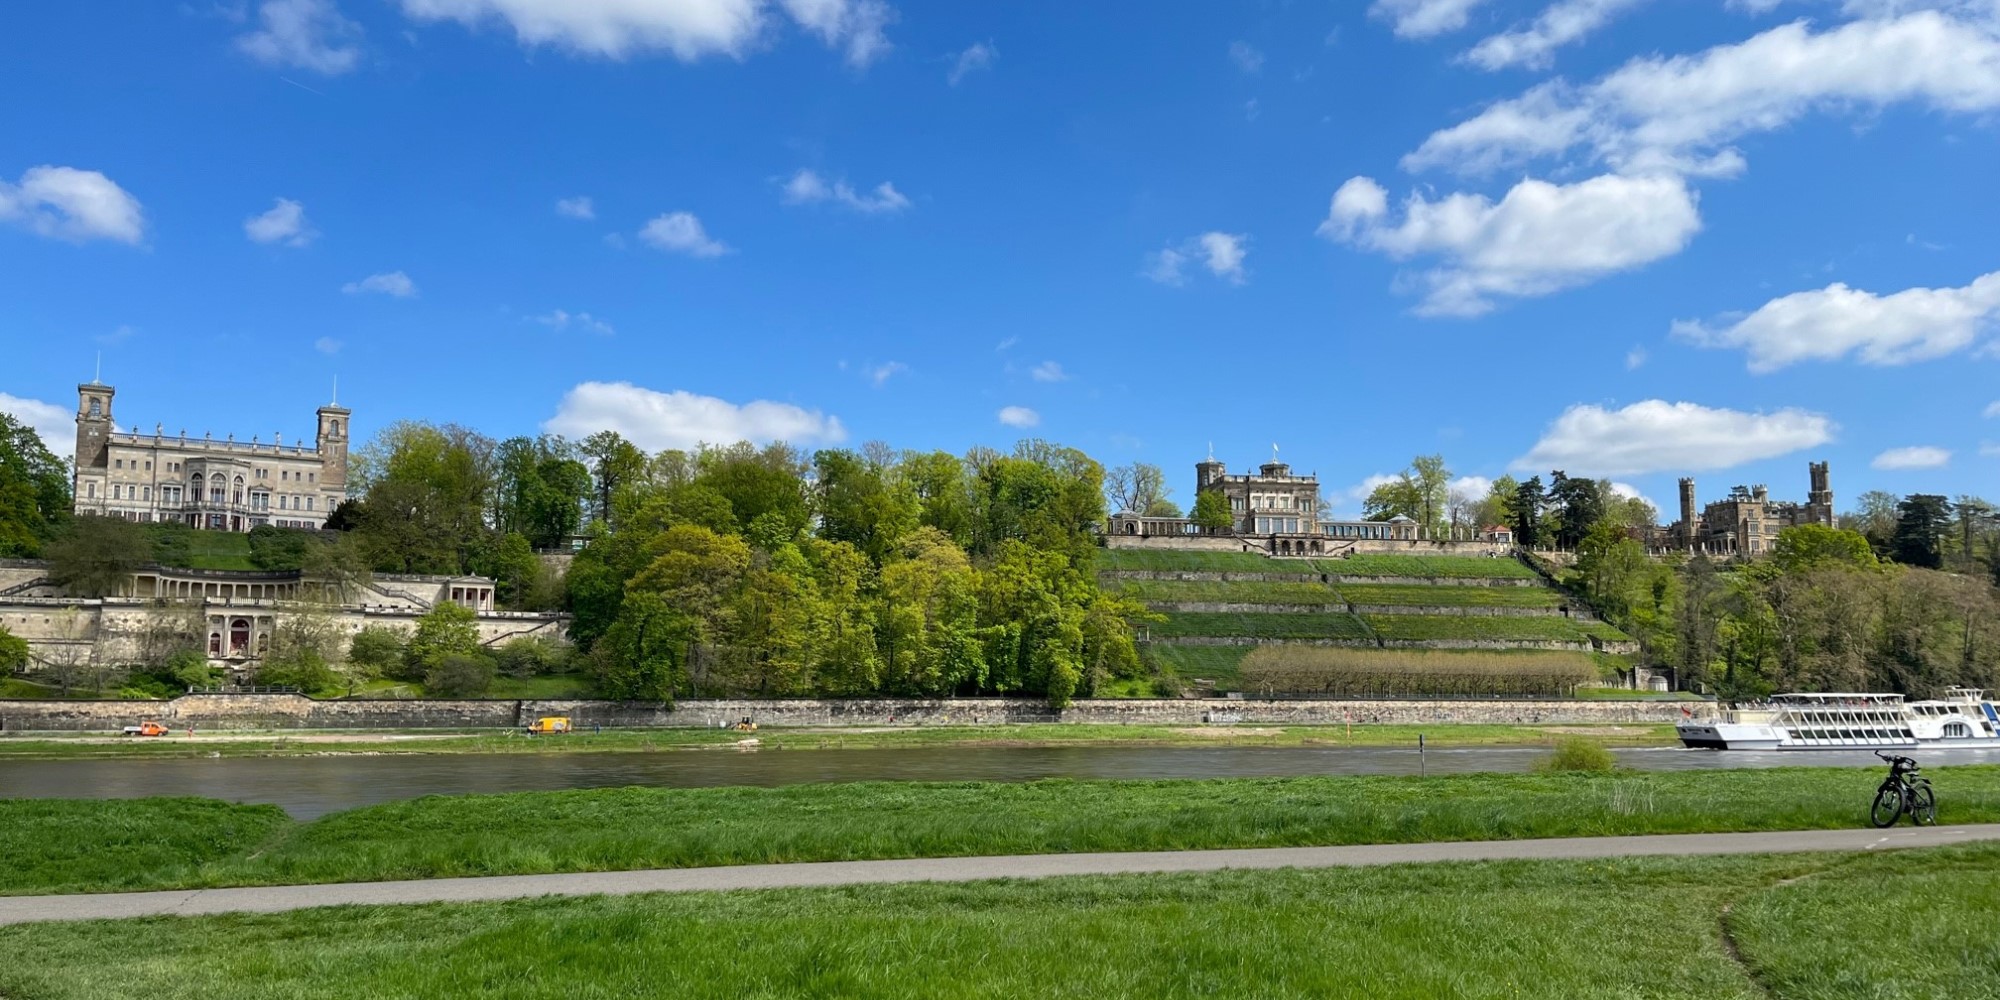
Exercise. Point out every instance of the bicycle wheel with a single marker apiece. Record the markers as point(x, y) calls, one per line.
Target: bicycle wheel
point(1888, 805)
point(1923, 804)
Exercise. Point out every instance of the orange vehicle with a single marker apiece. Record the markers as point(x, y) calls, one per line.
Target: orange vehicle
point(145, 729)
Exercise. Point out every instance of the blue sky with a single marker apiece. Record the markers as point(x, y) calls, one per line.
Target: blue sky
point(1619, 237)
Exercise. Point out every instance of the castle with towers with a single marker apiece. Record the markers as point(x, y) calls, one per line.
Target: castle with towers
point(226, 485)
point(1747, 521)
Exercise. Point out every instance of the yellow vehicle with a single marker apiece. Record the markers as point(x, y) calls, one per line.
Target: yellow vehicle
point(549, 724)
point(747, 725)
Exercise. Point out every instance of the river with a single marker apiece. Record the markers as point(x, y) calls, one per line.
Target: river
point(308, 787)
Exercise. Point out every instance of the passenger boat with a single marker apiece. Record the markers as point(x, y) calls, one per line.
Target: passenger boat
point(1964, 718)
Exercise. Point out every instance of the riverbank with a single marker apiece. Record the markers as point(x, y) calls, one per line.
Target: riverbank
point(1828, 927)
point(286, 743)
point(95, 846)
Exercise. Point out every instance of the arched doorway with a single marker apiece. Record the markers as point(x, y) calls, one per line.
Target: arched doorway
point(239, 636)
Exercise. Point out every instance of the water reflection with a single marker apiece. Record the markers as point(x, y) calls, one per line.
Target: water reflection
point(308, 787)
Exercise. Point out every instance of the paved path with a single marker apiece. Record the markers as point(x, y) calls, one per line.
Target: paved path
point(273, 899)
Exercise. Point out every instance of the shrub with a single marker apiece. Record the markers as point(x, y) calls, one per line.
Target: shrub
point(531, 656)
point(1574, 753)
point(445, 630)
point(304, 669)
point(1382, 673)
point(460, 676)
point(374, 651)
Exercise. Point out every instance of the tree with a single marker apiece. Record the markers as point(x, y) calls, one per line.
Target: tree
point(34, 490)
point(1875, 517)
point(1399, 497)
point(1578, 506)
point(13, 652)
point(373, 652)
point(642, 656)
point(1211, 511)
point(1432, 482)
point(95, 556)
point(1922, 521)
point(860, 503)
point(460, 676)
point(1975, 520)
point(337, 565)
point(446, 630)
point(1527, 512)
point(425, 496)
point(1813, 546)
point(614, 464)
point(1139, 488)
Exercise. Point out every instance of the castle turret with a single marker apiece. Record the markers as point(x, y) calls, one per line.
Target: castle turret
point(1209, 473)
point(1689, 533)
point(1819, 502)
point(332, 447)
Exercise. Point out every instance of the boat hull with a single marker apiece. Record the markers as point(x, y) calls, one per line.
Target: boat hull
point(1727, 736)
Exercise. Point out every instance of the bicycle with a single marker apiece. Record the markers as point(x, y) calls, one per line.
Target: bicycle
point(1905, 790)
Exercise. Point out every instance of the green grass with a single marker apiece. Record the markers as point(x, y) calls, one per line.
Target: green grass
point(1429, 567)
point(1230, 592)
point(180, 546)
point(1811, 927)
point(70, 845)
point(551, 686)
point(627, 828)
point(1414, 595)
point(1602, 630)
point(1217, 562)
point(1423, 627)
point(1220, 664)
point(1259, 625)
point(1361, 565)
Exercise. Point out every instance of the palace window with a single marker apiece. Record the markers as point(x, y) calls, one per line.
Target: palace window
point(147, 492)
point(117, 463)
point(309, 503)
point(93, 491)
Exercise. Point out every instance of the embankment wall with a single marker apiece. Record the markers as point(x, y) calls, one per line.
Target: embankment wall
point(287, 711)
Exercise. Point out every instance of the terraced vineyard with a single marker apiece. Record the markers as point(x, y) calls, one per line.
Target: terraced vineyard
point(1491, 603)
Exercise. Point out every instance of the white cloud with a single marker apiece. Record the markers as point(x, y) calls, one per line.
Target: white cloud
point(327, 345)
point(1989, 450)
point(1539, 238)
point(855, 24)
point(1658, 436)
point(1915, 324)
point(70, 204)
point(1470, 488)
point(1424, 18)
point(808, 188)
point(1006, 343)
point(1681, 112)
point(1992, 410)
point(681, 232)
point(303, 34)
point(1221, 253)
point(689, 29)
point(1635, 359)
point(1559, 24)
point(1246, 57)
point(977, 56)
point(392, 283)
point(557, 319)
point(882, 373)
point(1915, 457)
point(54, 424)
point(1019, 416)
point(1049, 371)
point(284, 223)
point(659, 420)
point(579, 207)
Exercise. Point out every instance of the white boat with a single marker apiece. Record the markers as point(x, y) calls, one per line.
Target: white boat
point(1963, 719)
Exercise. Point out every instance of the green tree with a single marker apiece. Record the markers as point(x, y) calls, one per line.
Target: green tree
point(1526, 509)
point(1432, 484)
point(13, 651)
point(929, 620)
point(1812, 546)
point(1140, 488)
point(458, 675)
point(1874, 516)
point(1922, 522)
point(95, 556)
point(860, 503)
point(446, 630)
point(34, 490)
point(425, 501)
point(1396, 498)
point(1211, 511)
point(374, 651)
point(1578, 506)
point(642, 655)
point(614, 464)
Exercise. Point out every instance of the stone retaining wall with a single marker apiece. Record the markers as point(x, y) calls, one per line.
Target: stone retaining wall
point(1428, 611)
point(284, 711)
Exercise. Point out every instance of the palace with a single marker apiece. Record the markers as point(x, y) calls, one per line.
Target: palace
point(1272, 511)
point(226, 485)
point(1748, 520)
